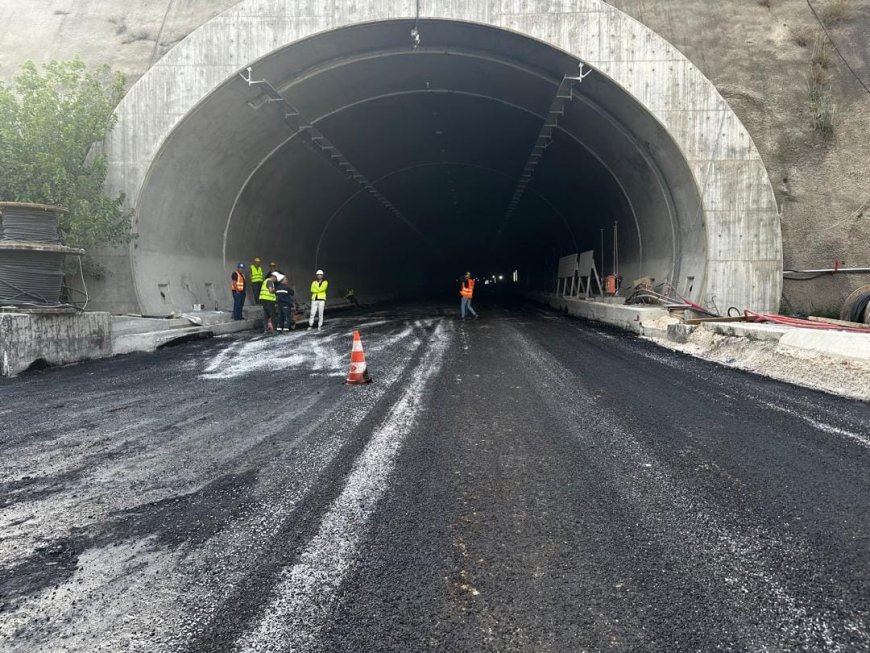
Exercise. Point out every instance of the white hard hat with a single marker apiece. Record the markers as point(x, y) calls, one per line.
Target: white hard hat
point(319, 272)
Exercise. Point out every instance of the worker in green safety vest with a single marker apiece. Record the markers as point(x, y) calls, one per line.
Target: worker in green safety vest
point(256, 278)
point(318, 299)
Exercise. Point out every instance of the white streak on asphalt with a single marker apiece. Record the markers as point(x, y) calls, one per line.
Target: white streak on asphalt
point(822, 426)
point(278, 352)
point(328, 355)
point(307, 591)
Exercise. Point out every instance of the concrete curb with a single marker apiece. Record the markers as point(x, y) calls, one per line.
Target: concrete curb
point(795, 341)
point(769, 332)
point(636, 319)
point(148, 341)
point(841, 344)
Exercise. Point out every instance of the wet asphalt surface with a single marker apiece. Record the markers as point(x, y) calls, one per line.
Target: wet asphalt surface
point(524, 482)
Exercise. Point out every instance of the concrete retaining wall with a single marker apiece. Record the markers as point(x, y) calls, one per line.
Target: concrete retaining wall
point(55, 339)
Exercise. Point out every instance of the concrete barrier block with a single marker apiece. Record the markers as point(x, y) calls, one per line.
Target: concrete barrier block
point(769, 332)
point(841, 344)
point(612, 310)
point(52, 338)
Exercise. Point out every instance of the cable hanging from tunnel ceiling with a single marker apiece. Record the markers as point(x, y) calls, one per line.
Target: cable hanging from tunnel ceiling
point(564, 94)
point(315, 141)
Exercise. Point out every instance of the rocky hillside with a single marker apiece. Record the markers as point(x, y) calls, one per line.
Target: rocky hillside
point(807, 111)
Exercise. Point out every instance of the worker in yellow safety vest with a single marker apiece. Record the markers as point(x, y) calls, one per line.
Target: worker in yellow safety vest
point(256, 278)
point(466, 292)
point(318, 299)
point(268, 298)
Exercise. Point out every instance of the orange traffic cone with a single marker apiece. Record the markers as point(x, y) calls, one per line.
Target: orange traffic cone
point(358, 374)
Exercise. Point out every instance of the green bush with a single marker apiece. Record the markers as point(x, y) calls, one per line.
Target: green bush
point(52, 124)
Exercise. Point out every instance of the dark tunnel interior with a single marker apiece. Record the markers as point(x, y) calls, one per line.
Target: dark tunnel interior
point(443, 131)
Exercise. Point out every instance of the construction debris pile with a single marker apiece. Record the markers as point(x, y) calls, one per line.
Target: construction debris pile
point(855, 315)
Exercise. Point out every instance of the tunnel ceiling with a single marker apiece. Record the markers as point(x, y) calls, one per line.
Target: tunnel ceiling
point(217, 172)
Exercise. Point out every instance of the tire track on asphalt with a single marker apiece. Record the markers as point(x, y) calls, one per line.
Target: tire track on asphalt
point(742, 560)
point(307, 591)
point(104, 605)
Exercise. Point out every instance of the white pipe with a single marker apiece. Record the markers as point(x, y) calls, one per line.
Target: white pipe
point(826, 270)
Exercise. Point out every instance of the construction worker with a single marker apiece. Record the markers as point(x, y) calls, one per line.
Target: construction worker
point(237, 285)
point(256, 278)
point(466, 292)
point(318, 298)
point(273, 267)
point(350, 297)
point(286, 301)
point(268, 299)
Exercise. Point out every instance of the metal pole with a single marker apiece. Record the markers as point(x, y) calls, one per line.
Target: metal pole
point(602, 250)
point(615, 249)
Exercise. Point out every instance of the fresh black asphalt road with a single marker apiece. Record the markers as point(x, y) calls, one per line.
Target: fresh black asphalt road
point(524, 482)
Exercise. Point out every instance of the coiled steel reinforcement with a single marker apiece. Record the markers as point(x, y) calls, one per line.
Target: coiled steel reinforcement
point(31, 277)
point(29, 223)
point(31, 255)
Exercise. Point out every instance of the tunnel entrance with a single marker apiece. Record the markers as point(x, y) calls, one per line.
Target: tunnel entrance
point(396, 167)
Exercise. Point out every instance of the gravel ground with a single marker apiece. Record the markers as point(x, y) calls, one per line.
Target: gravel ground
point(523, 482)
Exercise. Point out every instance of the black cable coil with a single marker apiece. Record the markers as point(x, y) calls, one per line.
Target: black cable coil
point(29, 225)
point(31, 278)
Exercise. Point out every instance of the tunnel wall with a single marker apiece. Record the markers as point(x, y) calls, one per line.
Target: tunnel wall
point(735, 234)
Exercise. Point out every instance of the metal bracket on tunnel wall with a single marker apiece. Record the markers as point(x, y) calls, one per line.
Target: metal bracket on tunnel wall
point(314, 140)
point(564, 94)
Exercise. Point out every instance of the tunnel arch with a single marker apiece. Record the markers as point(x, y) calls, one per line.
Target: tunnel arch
point(216, 175)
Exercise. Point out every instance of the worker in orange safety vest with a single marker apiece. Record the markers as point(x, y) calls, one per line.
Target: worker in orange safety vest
point(466, 292)
point(237, 286)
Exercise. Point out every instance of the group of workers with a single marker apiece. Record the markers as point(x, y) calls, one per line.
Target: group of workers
point(276, 295)
point(273, 291)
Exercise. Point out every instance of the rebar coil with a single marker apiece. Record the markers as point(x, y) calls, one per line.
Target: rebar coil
point(31, 255)
point(35, 223)
point(29, 277)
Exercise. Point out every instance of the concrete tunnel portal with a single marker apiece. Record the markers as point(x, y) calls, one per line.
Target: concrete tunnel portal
point(426, 149)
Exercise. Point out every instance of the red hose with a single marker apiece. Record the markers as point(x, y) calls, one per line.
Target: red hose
point(752, 316)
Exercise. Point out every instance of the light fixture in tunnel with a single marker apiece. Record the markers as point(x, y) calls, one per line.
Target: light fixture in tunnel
point(564, 94)
point(317, 142)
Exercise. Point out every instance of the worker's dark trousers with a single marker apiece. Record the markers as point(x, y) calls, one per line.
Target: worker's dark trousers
point(238, 304)
point(255, 286)
point(284, 319)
